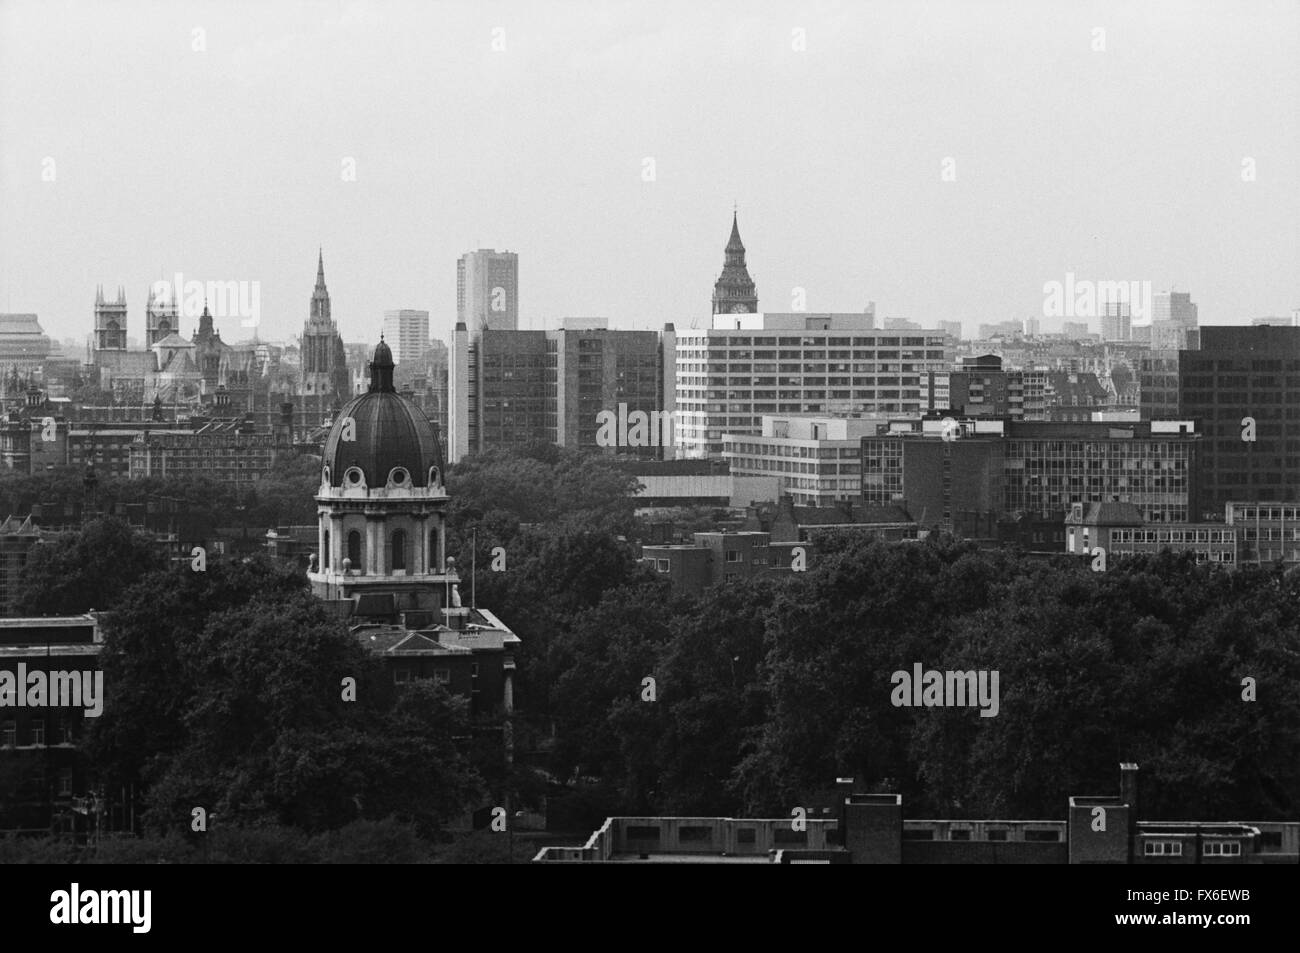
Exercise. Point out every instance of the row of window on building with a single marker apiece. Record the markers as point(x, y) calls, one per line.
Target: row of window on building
point(62, 733)
point(1175, 536)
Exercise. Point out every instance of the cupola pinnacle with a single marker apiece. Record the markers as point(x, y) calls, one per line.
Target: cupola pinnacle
point(381, 369)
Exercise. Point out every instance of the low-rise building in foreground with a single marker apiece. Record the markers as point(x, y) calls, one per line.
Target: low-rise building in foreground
point(871, 829)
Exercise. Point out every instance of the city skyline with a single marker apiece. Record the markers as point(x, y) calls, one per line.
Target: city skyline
point(234, 162)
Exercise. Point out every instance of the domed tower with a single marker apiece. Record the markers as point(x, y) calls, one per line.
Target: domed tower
point(383, 506)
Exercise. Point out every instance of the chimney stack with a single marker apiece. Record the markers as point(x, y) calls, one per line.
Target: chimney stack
point(844, 788)
point(1128, 787)
point(1128, 794)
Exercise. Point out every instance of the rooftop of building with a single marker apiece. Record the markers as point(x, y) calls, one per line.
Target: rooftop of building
point(1264, 340)
point(478, 630)
point(1111, 514)
point(982, 362)
point(886, 836)
point(858, 322)
point(396, 640)
point(64, 635)
point(761, 516)
point(675, 467)
point(813, 428)
point(308, 532)
point(584, 324)
point(48, 621)
point(13, 526)
point(11, 323)
point(962, 427)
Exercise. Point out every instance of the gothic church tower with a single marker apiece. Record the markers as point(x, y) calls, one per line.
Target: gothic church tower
point(325, 384)
point(110, 321)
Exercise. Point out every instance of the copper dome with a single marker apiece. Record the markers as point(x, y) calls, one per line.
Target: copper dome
point(390, 432)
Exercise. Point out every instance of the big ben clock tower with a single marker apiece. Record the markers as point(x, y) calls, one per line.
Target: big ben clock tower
point(734, 293)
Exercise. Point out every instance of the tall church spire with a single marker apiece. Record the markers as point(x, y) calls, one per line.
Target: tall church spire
point(325, 382)
point(734, 291)
point(320, 298)
point(205, 331)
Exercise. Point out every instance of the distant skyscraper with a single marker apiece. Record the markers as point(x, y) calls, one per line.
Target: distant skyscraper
point(1173, 307)
point(734, 292)
point(1007, 329)
point(508, 389)
point(487, 290)
point(407, 333)
point(1116, 321)
point(951, 327)
point(1240, 373)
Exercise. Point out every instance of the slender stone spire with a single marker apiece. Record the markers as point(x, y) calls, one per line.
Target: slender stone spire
point(320, 298)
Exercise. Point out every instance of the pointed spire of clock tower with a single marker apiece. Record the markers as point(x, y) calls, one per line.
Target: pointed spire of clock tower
point(734, 291)
point(734, 244)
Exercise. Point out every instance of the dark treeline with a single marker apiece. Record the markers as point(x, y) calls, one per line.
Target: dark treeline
point(389, 841)
point(223, 688)
point(235, 691)
point(769, 689)
point(282, 496)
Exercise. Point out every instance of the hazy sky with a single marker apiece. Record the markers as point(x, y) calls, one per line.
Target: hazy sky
point(227, 163)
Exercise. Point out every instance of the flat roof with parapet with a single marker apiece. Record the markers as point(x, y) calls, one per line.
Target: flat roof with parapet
point(47, 621)
point(624, 857)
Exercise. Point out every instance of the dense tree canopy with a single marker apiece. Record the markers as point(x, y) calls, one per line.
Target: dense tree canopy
point(224, 690)
point(497, 491)
point(769, 689)
point(223, 687)
point(87, 569)
point(284, 495)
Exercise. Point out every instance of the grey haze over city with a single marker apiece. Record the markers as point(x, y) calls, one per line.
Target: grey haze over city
point(528, 127)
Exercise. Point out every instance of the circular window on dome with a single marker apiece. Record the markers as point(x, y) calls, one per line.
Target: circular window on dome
point(399, 477)
point(353, 476)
